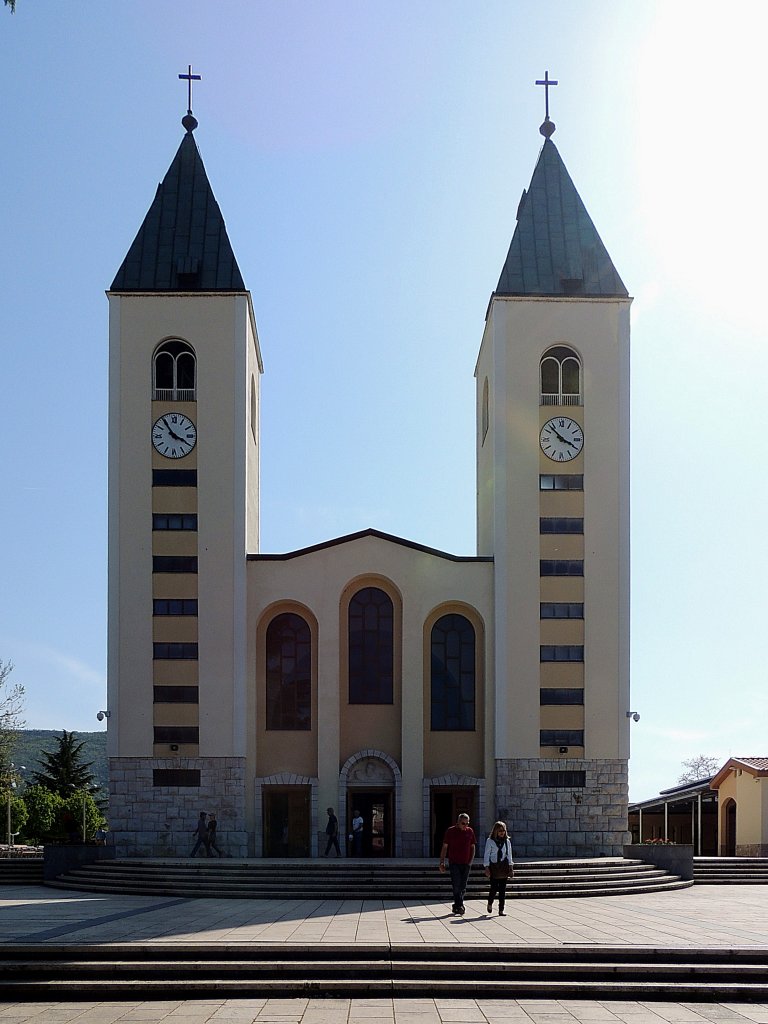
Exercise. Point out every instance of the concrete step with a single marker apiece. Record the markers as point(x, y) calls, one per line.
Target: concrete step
point(730, 870)
point(377, 880)
point(170, 970)
point(21, 870)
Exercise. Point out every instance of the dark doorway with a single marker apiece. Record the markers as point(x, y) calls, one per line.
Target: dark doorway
point(375, 807)
point(286, 821)
point(730, 829)
point(447, 805)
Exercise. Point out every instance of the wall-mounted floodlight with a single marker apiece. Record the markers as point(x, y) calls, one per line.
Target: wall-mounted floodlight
point(101, 715)
point(634, 715)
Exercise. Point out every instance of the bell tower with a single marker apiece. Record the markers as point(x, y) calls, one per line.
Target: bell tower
point(553, 511)
point(183, 512)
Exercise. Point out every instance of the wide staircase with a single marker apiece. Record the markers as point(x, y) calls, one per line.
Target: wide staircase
point(730, 870)
point(26, 870)
point(202, 970)
point(346, 879)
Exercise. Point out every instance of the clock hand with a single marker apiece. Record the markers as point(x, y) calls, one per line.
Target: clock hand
point(170, 431)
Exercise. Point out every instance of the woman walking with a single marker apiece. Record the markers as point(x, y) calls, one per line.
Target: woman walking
point(497, 861)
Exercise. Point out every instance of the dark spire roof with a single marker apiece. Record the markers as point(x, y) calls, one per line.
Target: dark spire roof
point(555, 249)
point(182, 244)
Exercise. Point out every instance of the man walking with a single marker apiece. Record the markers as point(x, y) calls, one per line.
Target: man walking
point(201, 831)
point(332, 831)
point(459, 847)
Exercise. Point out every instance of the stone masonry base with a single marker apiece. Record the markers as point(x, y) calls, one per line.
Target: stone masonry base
point(569, 821)
point(158, 821)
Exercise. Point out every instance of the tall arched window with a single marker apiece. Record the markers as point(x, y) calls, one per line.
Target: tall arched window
point(453, 674)
point(484, 412)
point(289, 673)
point(371, 647)
point(173, 372)
point(560, 377)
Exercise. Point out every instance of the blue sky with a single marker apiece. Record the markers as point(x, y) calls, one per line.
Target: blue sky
point(368, 160)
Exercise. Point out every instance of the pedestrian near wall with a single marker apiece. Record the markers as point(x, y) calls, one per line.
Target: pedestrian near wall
point(459, 846)
point(201, 831)
point(332, 831)
point(497, 860)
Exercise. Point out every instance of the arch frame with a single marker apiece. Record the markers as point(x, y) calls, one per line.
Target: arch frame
point(283, 779)
point(378, 755)
point(173, 394)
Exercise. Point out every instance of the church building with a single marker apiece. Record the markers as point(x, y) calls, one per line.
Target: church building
point(368, 673)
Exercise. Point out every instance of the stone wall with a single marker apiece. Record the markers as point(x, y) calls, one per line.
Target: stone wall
point(158, 821)
point(568, 822)
point(750, 850)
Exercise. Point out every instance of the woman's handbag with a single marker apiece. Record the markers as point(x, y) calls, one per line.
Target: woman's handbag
point(500, 869)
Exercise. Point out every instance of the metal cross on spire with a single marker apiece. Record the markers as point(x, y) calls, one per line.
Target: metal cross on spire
point(190, 122)
point(548, 127)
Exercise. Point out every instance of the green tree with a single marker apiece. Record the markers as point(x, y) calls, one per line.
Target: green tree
point(11, 4)
point(72, 809)
point(11, 704)
point(18, 813)
point(44, 810)
point(64, 768)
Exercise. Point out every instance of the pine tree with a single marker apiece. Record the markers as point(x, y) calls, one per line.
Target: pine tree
point(64, 768)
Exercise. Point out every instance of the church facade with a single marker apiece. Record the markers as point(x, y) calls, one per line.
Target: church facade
point(368, 673)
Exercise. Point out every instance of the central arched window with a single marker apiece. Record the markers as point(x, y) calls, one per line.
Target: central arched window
point(289, 673)
point(371, 647)
point(453, 674)
point(560, 377)
point(173, 372)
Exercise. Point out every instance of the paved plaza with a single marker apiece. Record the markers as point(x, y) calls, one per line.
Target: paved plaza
point(701, 916)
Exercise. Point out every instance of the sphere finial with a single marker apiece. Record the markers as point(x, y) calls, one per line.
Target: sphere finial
point(547, 128)
point(189, 122)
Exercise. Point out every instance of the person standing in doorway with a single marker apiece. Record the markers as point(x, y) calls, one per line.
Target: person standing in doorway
point(459, 845)
point(357, 834)
point(332, 831)
point(201, 831)
point(497, 861)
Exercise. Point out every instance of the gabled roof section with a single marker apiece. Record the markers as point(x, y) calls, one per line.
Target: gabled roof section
point(182, 244)
point(350, 537)
point(756, 766)
point(556, 249)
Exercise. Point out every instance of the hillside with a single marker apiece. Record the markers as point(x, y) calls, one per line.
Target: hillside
point(32, 742)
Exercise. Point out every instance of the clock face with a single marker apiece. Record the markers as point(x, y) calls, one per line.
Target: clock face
point(561, 439)
point(174, 435)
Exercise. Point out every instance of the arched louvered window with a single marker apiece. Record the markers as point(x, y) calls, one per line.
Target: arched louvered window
point(371, 647)
point(453, 674)
point(485, 412)
point(560, 376)
point(174, 372)
point(289, 673)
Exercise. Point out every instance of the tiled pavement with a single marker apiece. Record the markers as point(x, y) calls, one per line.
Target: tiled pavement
point(700, 916)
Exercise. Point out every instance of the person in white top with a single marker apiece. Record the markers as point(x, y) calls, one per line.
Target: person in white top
point(497, 861)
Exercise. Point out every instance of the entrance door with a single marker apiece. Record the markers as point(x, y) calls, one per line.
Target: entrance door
point(447, 805)
point(286, 821)
point(730, 829)
point(375, 807)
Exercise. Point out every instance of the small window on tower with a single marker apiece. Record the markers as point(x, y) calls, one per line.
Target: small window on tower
point(174, 372)
point(560, 377)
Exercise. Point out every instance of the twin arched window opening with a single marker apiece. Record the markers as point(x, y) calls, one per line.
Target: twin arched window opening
point(560, 376)
point(371, 665)
point(174, 376)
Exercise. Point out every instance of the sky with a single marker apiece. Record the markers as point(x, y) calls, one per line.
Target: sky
point(368, 159)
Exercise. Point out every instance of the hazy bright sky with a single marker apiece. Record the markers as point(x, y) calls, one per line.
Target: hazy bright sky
point(368, 159)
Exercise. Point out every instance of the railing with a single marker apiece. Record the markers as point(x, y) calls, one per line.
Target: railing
point(173, 395)
point(560, 400)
